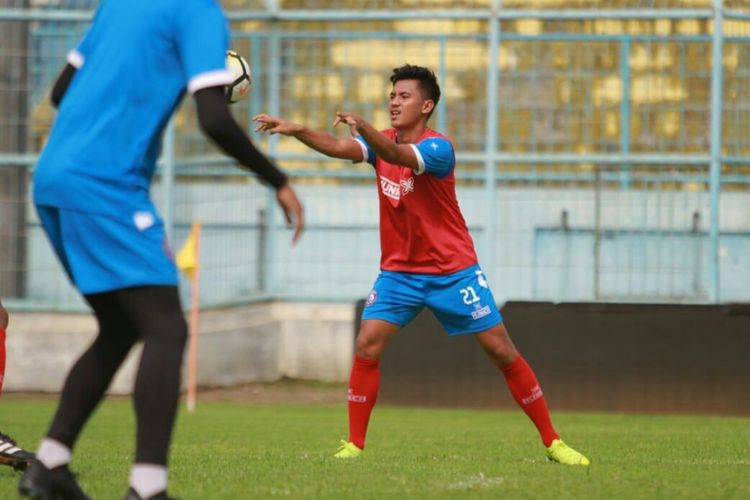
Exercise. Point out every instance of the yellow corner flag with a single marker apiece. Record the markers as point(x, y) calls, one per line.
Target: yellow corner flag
point(187, 257)
point(188, 261)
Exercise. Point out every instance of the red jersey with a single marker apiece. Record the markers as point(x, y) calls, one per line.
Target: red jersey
point(422, 229)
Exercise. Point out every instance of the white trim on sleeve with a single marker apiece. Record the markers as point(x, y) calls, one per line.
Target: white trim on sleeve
point(75, 59)
point(209, 79)
point(420, 160)
point(364, 150)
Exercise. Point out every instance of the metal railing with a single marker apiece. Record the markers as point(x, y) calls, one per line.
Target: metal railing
point(593, 113)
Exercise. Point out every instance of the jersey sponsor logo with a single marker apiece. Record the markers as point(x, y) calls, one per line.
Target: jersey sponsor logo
point(536, 393)
point(143, 220)
point(371, 298)
point(434, 145)
point(390, 188)
point(395, 190)
point(480, 312)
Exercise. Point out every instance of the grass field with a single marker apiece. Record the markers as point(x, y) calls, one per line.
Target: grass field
point(238, 451)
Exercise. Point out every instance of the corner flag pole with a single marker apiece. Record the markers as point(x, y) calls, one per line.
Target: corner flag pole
point(194, 318)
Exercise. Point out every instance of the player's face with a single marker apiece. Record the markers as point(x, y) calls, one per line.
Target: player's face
point(407, 105)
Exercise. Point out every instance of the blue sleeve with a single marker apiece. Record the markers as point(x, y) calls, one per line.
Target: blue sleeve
point(85, 45)
point(435, 156)
point(202, 37)
point(367, 152)
point(77, 56)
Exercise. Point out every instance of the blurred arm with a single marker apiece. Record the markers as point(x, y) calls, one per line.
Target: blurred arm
point(61, 84)
point(217, 122)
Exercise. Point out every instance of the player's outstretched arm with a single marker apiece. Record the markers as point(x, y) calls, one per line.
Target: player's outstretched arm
point(397, 154)
point(217, 122)
point(329, 145)
point(293, 211)
point(61, 84)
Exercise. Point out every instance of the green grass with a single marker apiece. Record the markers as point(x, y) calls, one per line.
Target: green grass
point(235, 451)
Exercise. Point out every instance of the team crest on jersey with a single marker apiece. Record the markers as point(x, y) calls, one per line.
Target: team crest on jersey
point(394, 190)
point(143, 220)
point(371, 298)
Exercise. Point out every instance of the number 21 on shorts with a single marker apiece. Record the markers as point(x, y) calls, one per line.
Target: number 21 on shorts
point(468, 295)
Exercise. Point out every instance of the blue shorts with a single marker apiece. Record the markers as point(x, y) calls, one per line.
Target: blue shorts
point(462, 301)
point(101, 253)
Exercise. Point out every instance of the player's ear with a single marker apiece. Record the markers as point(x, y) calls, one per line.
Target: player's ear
point(427, 106)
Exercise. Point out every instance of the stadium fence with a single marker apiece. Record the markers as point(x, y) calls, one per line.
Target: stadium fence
point(603, 146)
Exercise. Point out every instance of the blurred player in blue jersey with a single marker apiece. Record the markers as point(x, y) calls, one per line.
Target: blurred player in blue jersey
point(10, 453)
point(91, 189)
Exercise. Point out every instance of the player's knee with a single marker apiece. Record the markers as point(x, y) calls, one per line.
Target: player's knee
point(176, 329)
point(369, 346)
point(158, 315)
point(502, 354)
point(506, 355)
point(165, 330)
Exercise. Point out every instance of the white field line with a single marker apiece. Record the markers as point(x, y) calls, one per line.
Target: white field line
point(478, 482)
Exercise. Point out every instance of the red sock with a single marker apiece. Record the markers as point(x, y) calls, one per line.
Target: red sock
point(2, 358)
point(364, 383)
point(525, 389)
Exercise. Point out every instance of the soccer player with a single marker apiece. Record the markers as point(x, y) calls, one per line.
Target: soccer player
point(427, 254)
point(10, 453)
point(91, 190)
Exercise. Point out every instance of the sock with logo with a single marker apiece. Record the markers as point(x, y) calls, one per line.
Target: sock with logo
point(364, 383)
point(525, 389)
point(2, 358)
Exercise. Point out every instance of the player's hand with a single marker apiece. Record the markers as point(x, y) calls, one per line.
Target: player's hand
point(273, 125)
point(293, 211)
point(353, 121)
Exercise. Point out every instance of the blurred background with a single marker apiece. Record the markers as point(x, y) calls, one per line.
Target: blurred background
point(603, 157)
point(603, 146)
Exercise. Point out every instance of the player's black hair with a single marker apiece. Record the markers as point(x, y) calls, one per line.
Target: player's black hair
point(427, 80)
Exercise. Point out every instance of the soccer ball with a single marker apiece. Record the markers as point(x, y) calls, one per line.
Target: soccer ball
point(240, 87)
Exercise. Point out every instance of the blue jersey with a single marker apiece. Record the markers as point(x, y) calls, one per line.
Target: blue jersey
point(133, 67)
